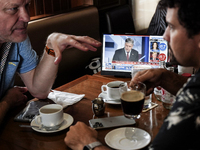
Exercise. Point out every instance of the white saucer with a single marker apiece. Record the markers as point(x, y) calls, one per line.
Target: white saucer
point(116, 139)
point(68, 120)
point(108, 100)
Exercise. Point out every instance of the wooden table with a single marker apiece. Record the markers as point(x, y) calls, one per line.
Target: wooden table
point(12, 137)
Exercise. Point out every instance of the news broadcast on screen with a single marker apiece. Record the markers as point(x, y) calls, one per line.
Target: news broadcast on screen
point(146, 52)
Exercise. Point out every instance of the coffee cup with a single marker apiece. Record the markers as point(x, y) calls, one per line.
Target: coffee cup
point(112, 89)
point(50, 115)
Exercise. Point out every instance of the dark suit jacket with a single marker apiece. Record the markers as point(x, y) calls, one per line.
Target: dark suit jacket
point(120, 55)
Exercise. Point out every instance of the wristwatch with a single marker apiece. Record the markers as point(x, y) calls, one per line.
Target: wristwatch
point(50, 51)
point(91, 146)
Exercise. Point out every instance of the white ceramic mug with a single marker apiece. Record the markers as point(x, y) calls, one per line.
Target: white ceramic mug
point(50, 115)
point(112, 89)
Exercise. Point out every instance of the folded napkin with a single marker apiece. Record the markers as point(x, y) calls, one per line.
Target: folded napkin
point(64, 98)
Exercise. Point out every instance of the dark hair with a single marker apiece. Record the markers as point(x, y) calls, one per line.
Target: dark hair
point(129, 40)
point(188, 14)
point(156, 45)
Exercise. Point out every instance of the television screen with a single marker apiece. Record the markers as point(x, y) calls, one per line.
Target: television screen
point(144, 51)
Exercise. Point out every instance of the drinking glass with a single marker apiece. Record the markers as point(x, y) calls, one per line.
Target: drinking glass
point(134, 70)
point(132, 99)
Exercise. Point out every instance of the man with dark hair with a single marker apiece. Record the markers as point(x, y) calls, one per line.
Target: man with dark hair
point(181, 128)
point(127, 53)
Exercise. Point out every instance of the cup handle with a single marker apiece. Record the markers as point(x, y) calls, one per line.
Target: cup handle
point(38, 120)
point(103, 87)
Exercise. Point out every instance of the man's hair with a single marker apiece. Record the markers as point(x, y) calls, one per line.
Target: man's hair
point(129, 40)
point(188, 14)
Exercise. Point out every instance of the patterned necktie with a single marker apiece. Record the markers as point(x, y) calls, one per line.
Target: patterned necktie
point(4, 53)
point(127, 56)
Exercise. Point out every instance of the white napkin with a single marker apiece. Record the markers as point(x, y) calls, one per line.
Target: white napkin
point(64, 98)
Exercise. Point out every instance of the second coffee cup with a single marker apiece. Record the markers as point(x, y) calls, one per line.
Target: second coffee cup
point(112, 89)
point(50, 115)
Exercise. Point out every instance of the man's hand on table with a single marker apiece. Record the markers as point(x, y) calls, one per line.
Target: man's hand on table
point(170, 81)
point(15, 96)
point(151, 77)
point(80, 135)
point(59, 42)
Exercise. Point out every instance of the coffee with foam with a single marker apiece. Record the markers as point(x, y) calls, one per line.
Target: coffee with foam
point(132, 102)
point(132, 96)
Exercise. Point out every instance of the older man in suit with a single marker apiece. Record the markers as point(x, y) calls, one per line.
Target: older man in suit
point(126, 53)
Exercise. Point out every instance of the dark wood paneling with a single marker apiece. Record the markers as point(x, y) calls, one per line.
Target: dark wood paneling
point(39, 7)
point(32, 9)
point(56, 6)
point(65, 5)
point(48, 7)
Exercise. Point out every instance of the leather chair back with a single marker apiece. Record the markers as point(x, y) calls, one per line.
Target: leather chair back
point(120, 20)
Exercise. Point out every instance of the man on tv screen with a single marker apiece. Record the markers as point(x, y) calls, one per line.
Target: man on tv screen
point(126, 53)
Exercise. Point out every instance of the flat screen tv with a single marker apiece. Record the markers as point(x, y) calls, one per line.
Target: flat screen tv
point(146, 52)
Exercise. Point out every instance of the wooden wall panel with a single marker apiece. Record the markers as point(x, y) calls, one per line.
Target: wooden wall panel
point(39, 7)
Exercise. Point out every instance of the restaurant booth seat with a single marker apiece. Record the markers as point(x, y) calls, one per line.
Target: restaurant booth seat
point(80, 22)
point(120, 20)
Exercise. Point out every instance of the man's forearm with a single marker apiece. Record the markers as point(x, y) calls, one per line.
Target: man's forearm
point(172, 82)
point(4, 107)
point(40, 80)
point(45, 74)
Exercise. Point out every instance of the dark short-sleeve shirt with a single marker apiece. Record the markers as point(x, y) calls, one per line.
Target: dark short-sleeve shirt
point(181, 128)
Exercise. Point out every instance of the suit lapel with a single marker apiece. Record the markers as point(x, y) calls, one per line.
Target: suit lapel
point(123, 54)
point(132, 56)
